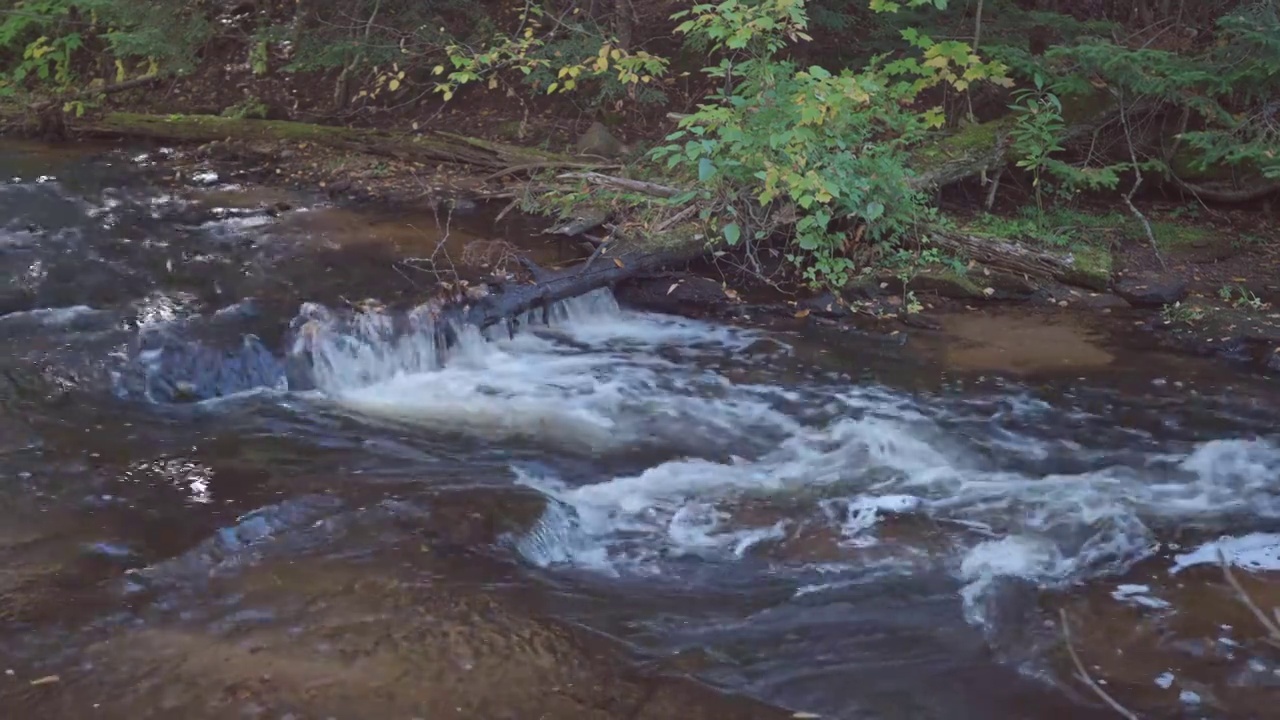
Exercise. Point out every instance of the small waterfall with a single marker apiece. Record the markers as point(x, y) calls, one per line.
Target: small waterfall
point(370, 347)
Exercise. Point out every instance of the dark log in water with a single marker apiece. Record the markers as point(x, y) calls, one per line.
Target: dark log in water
point(609, 265)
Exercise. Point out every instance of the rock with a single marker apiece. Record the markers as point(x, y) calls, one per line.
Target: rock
point(1151, 289)
point(824, 304)
point(676, 294)
point(1273, 360)
point(916, 320)
point(943, 283)
point(598, 141)
point(1002, 285)
point(1100, 301)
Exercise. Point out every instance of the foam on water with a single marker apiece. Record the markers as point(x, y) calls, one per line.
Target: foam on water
point(758, 463)
point(595, 379)
point(1255, 551)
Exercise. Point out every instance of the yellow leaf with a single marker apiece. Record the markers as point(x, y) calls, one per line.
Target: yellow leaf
point(618, 262)
point(437, 70)
point(615, 54)
point(552, 88)
point(570, 84)
point(493, 82)
point(400, 76)
point(448, 95)
point(393, 85)
point(46, 680)
point(803, 313)
point(120, 71)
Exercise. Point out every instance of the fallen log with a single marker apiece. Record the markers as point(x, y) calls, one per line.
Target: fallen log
point(428, 147)
point(615, 261)
point(984, 147)
point(1089, 267)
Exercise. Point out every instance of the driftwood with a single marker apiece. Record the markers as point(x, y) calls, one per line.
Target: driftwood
point(1008, 256)
point(640, 186)
point(609, 265)
point(1228, 197)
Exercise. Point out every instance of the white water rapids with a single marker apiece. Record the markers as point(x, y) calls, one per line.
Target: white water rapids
point(751, 457)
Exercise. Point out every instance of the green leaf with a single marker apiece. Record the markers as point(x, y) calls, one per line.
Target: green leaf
point(732, 233)
point(874, 211)
point(706, 170)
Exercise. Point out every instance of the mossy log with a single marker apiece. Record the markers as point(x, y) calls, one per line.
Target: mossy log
point(982, 147)
point(432, 147)
point(1082, 269)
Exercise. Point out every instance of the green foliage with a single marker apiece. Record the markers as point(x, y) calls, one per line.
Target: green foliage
point(536, 54)
point(819, 154)
point(247, 109)
point(1035, 133)
point(46, 43)
point(1179, 314)
point(1241, 298)
point(1227, 89)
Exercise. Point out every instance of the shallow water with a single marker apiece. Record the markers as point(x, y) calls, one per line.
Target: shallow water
point(228, 493)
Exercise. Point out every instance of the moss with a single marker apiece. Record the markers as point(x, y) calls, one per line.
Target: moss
point(1176, 236)
point(1092, 265)
point(212, 127)
point(959, 145)
point(1082, 108)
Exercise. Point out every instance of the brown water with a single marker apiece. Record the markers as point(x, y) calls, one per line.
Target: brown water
point(205, 513)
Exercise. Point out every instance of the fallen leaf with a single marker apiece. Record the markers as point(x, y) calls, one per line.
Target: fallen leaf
point(805, 716)
point(803, 313)
point(989, 291)
point(673, 287)
point(617, 262)
point(46, 680)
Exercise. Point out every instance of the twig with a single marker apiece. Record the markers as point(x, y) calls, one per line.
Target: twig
point(640, 186)
point(977, 41)
point(1137, 183)
point(1083, 674)
point(510, 206)
point(675, 219)
point(1272, 625)
point(543, 166)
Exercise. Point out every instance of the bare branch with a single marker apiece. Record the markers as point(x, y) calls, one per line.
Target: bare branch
point(1084, 676)
point(1272, 625)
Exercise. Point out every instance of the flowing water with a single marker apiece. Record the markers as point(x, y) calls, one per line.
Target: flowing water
point(229, 488)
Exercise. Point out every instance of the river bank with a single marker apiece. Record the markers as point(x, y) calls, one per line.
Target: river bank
point(1208, 287)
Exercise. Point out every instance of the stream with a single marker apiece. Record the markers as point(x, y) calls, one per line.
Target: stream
point(233, 484)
